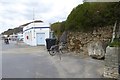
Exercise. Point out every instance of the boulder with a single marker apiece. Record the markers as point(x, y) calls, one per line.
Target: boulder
point(96, 50)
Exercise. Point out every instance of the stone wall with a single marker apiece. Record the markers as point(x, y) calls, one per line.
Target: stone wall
point(78, 41)
point(111, 62)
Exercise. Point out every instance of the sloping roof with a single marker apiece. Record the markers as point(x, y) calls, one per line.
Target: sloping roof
point(35, 21)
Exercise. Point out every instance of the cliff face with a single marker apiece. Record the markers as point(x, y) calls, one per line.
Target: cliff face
point(78, 41)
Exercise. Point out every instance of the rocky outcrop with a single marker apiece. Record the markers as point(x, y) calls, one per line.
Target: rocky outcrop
point(95, 43)
point(78, 41)
point(96, 50)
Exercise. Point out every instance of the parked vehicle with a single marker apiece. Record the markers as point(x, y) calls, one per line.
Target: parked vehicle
point(56, 48)
point(6, 41)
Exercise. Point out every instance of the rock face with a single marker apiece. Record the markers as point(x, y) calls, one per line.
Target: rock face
point(111, 62)
point(96, 50)
point(79, 41)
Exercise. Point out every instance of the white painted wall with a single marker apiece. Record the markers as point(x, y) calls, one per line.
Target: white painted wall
point(42, 30)
point(31, 33)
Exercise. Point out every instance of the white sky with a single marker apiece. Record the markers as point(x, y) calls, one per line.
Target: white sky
point(16, 12)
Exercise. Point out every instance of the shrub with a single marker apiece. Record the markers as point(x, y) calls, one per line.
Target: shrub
point(115, 43)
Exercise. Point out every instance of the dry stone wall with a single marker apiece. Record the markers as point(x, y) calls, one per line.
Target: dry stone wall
point(111, 62)
point(78, 41)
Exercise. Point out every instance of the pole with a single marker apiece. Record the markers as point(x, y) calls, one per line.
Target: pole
point(33, 23)
point(114, 31)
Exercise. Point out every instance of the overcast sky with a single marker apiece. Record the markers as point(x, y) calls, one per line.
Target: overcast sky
point(16, 12)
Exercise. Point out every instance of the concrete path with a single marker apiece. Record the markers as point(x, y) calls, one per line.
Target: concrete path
point(23, 61)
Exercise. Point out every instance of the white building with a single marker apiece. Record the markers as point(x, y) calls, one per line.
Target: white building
point(13, 37)
point(20, 36)
point(35, 33)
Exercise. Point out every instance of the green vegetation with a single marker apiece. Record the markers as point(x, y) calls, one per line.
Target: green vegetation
point(88, 16)
point(115, 43)
point(58, 28)
point(85, 17)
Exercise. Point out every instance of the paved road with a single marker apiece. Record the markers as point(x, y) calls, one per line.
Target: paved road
point(22, 61)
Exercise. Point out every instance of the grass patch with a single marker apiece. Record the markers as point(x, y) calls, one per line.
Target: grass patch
point(115, 43)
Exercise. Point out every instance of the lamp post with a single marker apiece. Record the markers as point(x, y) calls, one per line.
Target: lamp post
point(33, 23)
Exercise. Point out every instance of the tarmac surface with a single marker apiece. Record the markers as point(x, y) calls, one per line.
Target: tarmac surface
point(23, 61)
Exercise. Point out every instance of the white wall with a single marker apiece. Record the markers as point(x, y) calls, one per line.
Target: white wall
point(43, 30)
point(25, 34)
point(31, 33)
